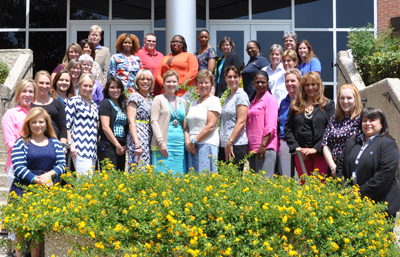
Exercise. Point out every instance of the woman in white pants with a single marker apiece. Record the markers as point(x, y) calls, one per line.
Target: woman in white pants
point(292, 81)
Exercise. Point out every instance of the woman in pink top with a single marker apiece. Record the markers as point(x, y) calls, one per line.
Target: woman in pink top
point(262, 131)
point(13, 119)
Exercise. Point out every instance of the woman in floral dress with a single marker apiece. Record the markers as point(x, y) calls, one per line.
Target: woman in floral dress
point(139, 107)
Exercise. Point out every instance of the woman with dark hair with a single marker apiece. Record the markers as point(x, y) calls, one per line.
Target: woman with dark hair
point(227, 46)
point(262, 127)
point(181, 61)
point(206, 54)
point(308, 60)
point(62, 89)
point(75, 69)
point(233, 135)
point(343, 125)
point(88, 48)
point(257, 62)
point(372, 159)
point(74, 50)
point(125, 64)
point(308, 117)
point(54, 107)
point(38, 158)
point(113, 124)
point(139, 109)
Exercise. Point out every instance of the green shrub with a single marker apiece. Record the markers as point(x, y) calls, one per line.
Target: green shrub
point(376, 58)
point(148, 213)
point(3, 72)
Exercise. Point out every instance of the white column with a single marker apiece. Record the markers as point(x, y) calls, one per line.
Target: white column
point(180, 16)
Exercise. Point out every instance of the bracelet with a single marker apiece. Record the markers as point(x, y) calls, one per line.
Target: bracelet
point(230, 141)
point(48, 176)
point(120, 146)
point(161, 142)
point(138, 146)
point(194, 141)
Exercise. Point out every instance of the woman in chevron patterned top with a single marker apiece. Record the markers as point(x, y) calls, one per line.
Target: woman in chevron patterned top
point(82, 118)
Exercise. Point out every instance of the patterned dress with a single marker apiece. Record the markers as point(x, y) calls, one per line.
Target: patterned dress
point(124, 68)
point(338, 132)
point(82, 123)
point(205, 57)
point(143, 129)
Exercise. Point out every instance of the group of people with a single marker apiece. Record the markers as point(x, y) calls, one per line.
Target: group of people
point(280, 112)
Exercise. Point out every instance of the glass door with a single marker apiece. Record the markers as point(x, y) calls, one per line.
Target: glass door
point(77, 32)
point(265, 34)
point(139, 30)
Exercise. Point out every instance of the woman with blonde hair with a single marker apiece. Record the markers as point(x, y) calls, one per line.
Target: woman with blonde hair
point(308, 117)
point(138, 110)
point(167, 116)
point(37, 157)
point(125, 64)
point(343, 125)
point(82, 118)
point(74, 50)
point(54, 107)
point(13, 119)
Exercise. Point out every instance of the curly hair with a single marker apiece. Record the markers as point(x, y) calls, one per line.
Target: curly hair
point(298, 105)
point(121, 39)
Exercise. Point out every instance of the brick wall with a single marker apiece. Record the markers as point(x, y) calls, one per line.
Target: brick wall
point(387, 9)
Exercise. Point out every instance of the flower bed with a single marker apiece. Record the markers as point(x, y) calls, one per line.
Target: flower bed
point(148, 213)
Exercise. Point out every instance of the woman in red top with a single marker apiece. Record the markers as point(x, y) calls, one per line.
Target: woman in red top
point(181, 61)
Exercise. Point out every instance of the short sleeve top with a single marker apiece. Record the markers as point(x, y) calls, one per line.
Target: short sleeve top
point(197, 119)
point(229, 118)
point(338, 132)
point(205, 57)
point(313, 65)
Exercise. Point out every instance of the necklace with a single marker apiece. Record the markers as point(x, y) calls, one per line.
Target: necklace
point(202, 100)
point(308, 113)
point(146, 97)
point(175, 122)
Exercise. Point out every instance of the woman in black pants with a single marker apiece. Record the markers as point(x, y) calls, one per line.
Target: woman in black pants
point(113, 127)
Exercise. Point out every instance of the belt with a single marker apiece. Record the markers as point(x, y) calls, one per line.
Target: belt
point(143, 121)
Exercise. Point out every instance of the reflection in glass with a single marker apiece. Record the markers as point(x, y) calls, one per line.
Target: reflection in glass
point(200, 13)
point(237, 37)
point(313, 14)
point(132, 10)
point(160, 35)
point(159, 13)
point(12, 40)
point(267, 39)
point(341, 41)
point(48, 14)
point(13, 13)
point(322, 44)
point(271, 9)
point(227, 9)
point(346, 18)
point(88, 10)
point(49, 49)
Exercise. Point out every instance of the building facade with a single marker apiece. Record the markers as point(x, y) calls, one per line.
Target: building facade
point(49, 26)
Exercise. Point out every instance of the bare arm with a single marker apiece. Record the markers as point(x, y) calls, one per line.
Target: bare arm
point(241, 116)
point(105, 121)
point(131, 112)
point(211, 65)
point(329, 159)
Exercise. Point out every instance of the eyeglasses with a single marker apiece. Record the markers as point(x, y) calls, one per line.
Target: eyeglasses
point(176, 42)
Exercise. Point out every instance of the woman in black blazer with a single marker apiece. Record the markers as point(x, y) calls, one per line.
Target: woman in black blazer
point(226, 45)
point(113, 128)
point(305, 127)
point(375, 169)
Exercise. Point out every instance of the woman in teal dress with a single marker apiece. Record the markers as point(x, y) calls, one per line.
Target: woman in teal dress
point(167, 116)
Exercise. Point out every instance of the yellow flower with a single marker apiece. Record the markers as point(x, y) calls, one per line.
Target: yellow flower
point(286, 229)
point(292, 253)
point(346, 240)
point(92, 234)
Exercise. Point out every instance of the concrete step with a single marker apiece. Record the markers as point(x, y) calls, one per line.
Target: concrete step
point(3, 156)
point(3, 179)
point(4, 194)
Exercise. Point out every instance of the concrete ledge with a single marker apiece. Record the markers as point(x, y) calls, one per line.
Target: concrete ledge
point(350, 71)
